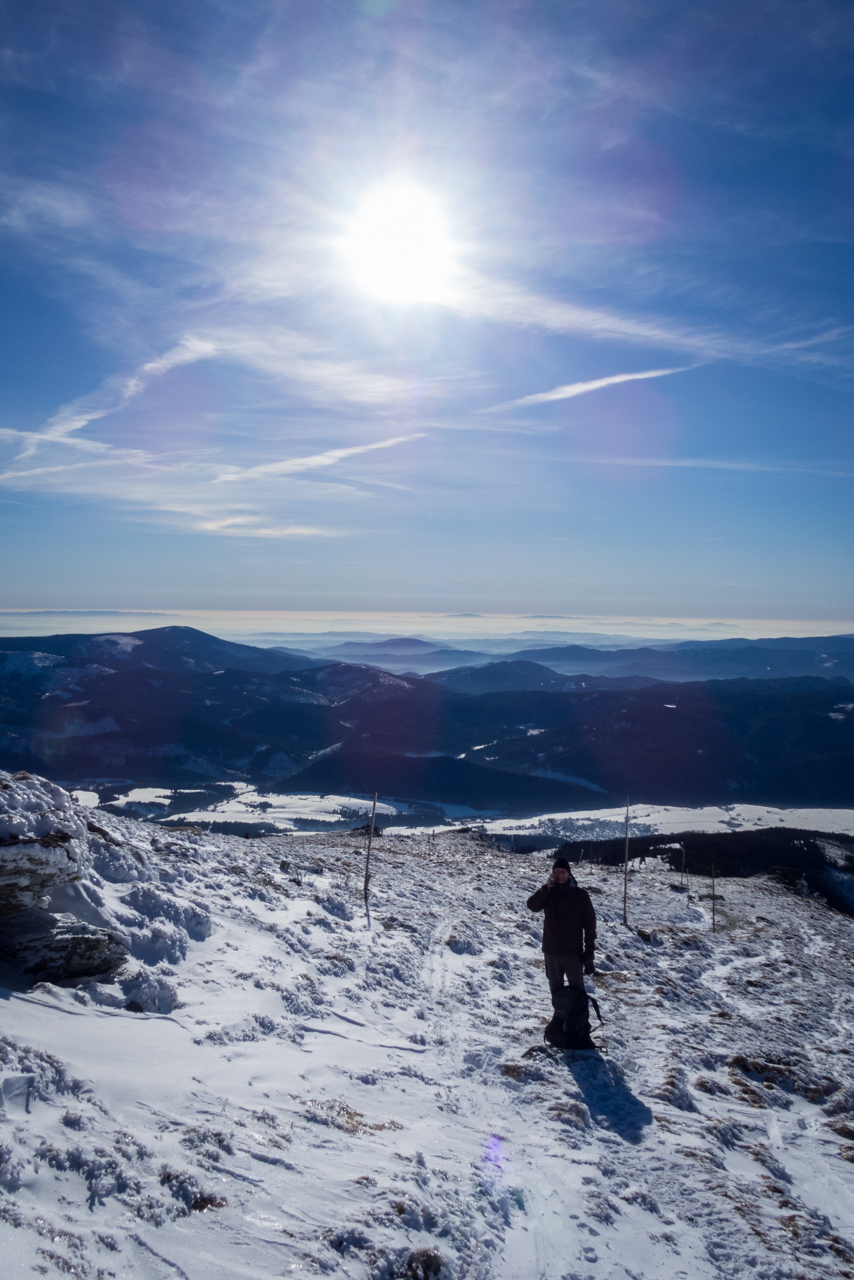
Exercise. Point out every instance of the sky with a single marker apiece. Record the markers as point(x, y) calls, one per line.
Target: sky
point(506, 307)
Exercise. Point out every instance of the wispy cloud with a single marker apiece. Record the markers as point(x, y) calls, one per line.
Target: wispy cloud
point(716, 464)
point(185, 490)
point(513, 304)
point(114, 394)
point(291, 466)
point(573, 389)
point(270, 349)
point(33, 206)
point(505, 303)
point(304, 362)
point(16, 475)
point(252, 527)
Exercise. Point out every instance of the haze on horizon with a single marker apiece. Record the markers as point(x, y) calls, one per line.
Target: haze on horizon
point(383, 307)
point(306, 629)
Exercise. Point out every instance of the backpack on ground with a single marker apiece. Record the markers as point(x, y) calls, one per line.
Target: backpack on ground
point(570, 1024)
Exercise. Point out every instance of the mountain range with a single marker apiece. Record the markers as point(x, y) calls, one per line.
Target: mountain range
point(706, 659)
point(681, 660)
point(156, 707)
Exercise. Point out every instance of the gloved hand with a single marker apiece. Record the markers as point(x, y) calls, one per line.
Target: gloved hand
point(589, 965)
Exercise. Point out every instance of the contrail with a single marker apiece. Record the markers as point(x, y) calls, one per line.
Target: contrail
point(328, 459)
point(581, 388)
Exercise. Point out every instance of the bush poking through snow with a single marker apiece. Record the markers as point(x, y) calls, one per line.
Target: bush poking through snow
point(187, 1191)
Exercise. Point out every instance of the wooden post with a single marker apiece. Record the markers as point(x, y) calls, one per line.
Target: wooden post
point(368, 860)
point(682, 877)
point(626, 867)
point(713, 898)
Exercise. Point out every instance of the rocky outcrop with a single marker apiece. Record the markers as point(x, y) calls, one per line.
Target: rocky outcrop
point(45, 845)
point(57, 948)
point(43, 841)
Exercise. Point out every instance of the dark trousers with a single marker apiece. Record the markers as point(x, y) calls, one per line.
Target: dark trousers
point(570, 967)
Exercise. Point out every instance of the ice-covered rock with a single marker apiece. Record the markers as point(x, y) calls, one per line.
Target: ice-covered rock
point(45, 856)
point(149, 992)
point(43, 840)
point(59, 947)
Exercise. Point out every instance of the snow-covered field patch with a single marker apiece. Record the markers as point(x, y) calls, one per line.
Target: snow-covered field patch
point(652, 819)
point(244, 805)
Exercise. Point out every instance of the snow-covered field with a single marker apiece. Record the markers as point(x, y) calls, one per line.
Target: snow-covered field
point(656, 819)
point(304, 1096)
point(243, 804)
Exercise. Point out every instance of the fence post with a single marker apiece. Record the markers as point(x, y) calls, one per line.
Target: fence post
point(626, 867)
point(713, 899)
point(368, 860)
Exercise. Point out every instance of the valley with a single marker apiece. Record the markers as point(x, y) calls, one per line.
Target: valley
point(155, 708)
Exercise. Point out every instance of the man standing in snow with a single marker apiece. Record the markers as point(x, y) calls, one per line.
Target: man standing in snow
point(569, 928)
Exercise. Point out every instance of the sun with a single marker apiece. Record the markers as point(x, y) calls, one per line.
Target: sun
point(398, 245)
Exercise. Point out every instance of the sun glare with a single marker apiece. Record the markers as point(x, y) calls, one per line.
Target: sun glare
point(398, 246)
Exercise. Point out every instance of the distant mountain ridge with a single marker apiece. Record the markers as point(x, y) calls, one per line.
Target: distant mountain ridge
point(403, 653)
point(704, 660)
point(101, 708)
point(162, 648)
point(782, 657)
point(505, 676)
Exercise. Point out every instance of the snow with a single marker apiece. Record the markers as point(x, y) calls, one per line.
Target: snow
point(120, 641)
point(567, 777)
point(248, 807)
point(306, 1097)
point(89, 799)
point(145, 795)
point(646, 819)
point(43, 840)
point(27, 663)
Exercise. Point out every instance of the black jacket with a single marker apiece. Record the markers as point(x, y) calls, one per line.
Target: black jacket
point(569, 926)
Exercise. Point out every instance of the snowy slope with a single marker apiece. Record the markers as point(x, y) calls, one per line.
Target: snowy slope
point(308, 1097)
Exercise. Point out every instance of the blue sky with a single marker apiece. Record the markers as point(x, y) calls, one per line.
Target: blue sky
point(204, 404)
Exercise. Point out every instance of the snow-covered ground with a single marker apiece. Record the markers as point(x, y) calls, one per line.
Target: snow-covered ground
point(656, 819)
point(243, 804)
point(305, 1096)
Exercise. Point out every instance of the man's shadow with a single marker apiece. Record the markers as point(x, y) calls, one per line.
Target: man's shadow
point(608, 1098)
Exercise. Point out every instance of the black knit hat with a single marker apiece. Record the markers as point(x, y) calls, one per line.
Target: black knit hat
point(562, 862)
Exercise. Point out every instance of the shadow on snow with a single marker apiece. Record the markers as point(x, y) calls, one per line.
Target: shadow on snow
point(608, 1098)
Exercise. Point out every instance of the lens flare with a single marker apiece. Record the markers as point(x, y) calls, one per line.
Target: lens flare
point(398, 247)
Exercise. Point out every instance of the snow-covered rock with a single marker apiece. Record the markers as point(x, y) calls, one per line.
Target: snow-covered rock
point(60, 947)
point(65, 910)
point(43, 840)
